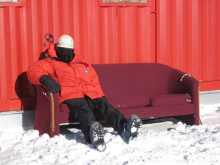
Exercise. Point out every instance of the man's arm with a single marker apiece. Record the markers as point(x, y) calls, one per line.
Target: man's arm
point(37, 70)
point(39, 73)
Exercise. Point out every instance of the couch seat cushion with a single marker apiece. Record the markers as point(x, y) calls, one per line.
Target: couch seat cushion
point(130, 102)
point(171, 99)
point(64, 108)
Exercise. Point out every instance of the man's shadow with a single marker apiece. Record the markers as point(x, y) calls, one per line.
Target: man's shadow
point(26, 94)
point(42, 55)
point(25, 90)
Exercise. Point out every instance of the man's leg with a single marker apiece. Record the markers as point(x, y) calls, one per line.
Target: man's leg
point(126, 129)
point(112, 116)
point(83, 113)
point(93, 131)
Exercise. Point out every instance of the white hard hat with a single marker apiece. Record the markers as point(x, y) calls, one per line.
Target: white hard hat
point(65, 41)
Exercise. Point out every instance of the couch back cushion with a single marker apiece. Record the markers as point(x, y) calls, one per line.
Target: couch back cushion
point(136, 80)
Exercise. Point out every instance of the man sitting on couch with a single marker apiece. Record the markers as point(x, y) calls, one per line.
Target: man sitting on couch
point(78, 86)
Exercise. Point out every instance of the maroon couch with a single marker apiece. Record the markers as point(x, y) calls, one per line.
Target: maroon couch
point(145, 89)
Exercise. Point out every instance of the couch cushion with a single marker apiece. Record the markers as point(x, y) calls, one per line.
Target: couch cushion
point(64, 108)
point(142, 79)
point(171, 99)
point(130, 102)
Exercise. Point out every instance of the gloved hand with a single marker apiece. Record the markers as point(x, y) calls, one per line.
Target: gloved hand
point(50, 83)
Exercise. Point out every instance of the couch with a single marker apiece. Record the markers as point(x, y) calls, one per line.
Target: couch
point(149, 90)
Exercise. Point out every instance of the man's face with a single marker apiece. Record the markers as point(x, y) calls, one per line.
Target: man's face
point(65, 54)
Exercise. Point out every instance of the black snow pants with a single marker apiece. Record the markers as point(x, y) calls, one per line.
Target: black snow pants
point(82, 109)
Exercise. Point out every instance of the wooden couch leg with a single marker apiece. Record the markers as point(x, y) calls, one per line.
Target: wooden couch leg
point(54, 114)
point(52, 121)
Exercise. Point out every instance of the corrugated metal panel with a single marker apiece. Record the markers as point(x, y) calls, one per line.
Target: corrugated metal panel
point(101, 34)
point(188, 36)
point(13, 81)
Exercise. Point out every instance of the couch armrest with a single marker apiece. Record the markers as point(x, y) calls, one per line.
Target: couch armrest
point(51, 99)
point(182, 83)
point(191, 85)
point(47, 107)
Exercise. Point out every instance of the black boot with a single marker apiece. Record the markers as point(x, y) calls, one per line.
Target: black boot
point(97, 136)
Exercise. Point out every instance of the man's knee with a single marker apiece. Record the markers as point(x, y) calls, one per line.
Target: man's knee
point(81, 109)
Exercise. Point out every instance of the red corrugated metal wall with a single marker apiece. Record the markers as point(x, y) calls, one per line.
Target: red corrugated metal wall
point(188, 38)
point(181, 33)
point(101, 34)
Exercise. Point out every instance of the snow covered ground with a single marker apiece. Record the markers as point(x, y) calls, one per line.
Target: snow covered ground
point(161, 142)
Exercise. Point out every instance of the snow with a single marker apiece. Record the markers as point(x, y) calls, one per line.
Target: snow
point(159, 142)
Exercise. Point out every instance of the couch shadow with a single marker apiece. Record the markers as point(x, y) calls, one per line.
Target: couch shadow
point(26, 96)
point(72, 132)
point(160, 120)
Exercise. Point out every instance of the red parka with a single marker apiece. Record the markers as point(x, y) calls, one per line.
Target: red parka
point(76, 78)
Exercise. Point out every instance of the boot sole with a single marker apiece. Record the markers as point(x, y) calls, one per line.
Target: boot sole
point(97, 136)
point(134, 127)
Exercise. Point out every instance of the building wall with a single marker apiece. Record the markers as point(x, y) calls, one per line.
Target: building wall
point(183, 34)
point(188, 38)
